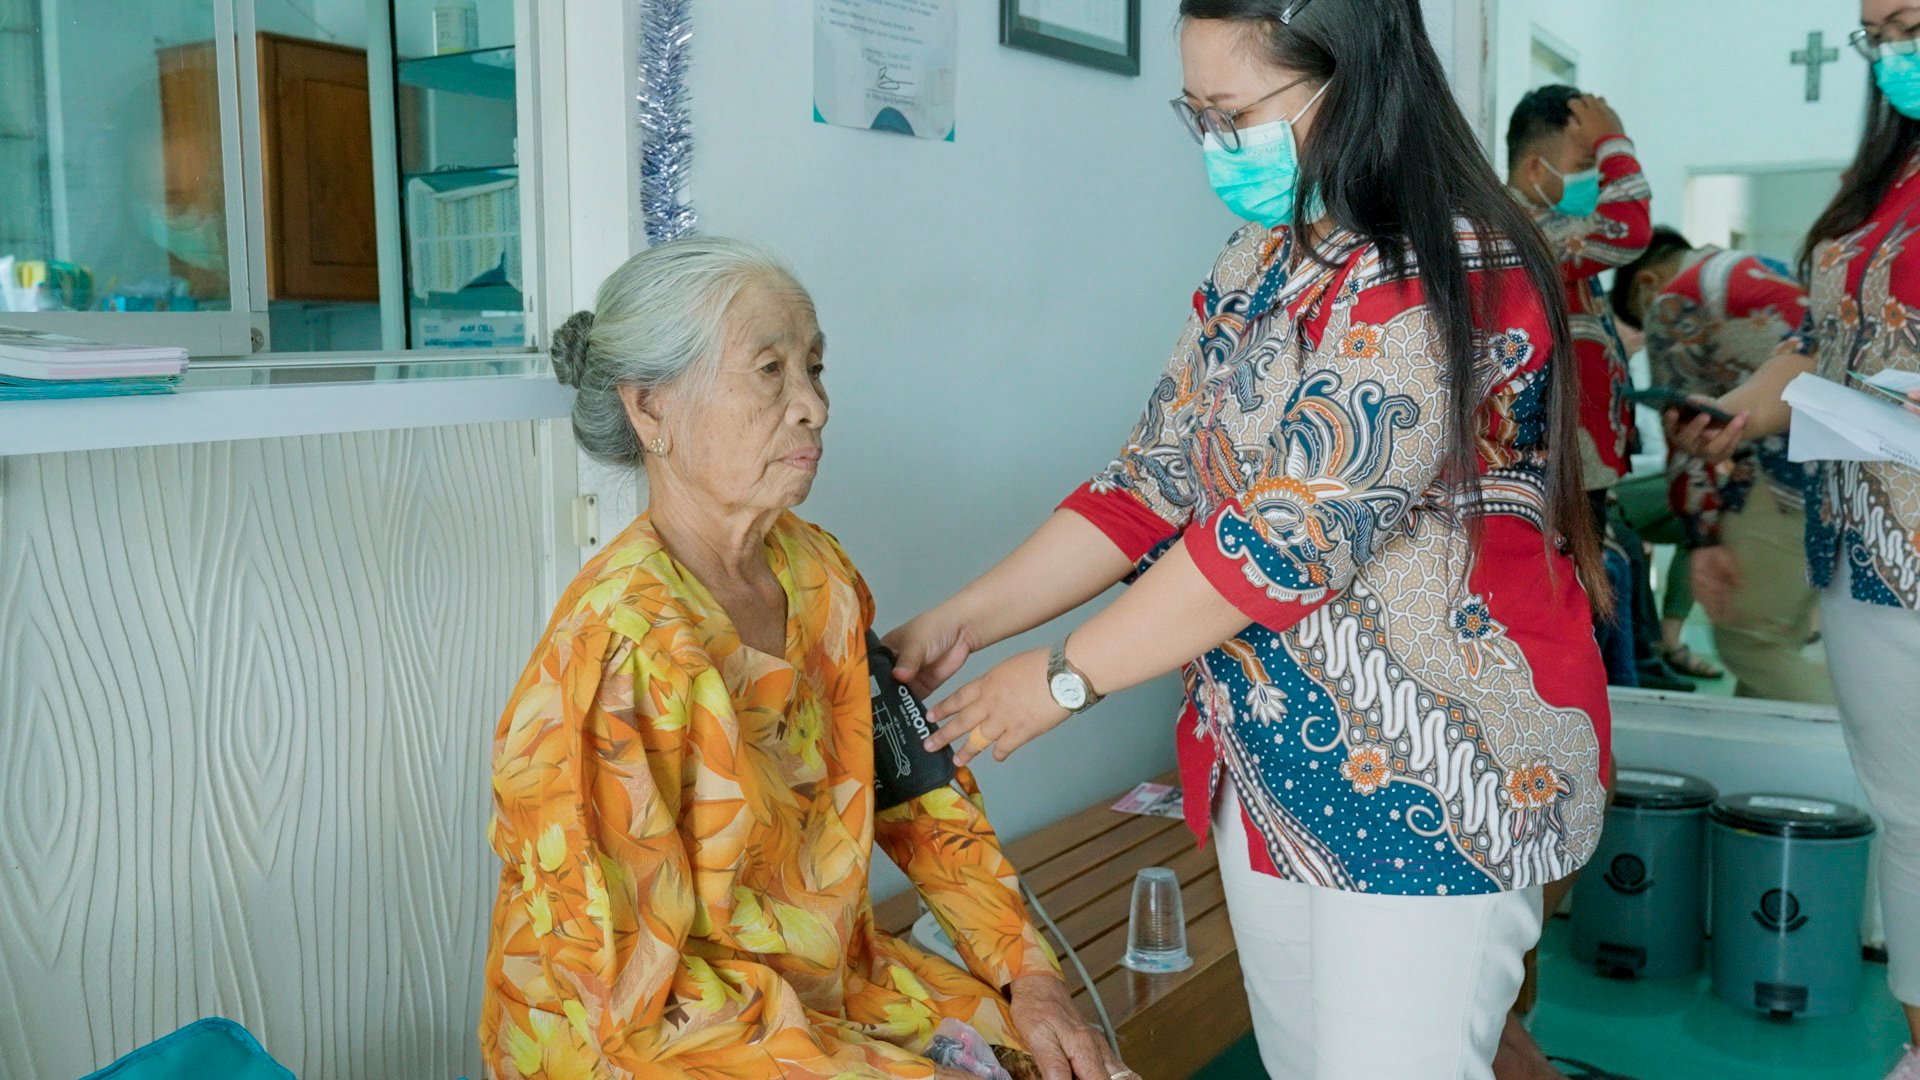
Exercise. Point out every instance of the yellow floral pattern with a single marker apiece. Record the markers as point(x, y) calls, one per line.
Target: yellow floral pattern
point(686, 826)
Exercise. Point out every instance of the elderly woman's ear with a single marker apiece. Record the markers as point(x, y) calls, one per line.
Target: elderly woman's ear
point(642, 407)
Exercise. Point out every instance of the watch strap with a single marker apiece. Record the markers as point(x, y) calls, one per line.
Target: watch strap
point(1057, 664)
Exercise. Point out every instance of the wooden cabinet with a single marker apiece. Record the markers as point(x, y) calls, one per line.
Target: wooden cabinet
point(317, 141)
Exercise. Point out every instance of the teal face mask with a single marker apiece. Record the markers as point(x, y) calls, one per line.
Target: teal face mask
point(1898, 74)
point(1258, 181)
point(1579, 192)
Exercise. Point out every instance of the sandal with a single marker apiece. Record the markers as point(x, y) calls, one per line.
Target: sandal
point(1693, 667)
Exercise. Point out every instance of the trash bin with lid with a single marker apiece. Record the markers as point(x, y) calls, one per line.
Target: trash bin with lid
point(1789, 888)
point(1639, 909)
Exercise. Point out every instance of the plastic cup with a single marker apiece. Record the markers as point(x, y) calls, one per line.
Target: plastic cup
point(1157, 926)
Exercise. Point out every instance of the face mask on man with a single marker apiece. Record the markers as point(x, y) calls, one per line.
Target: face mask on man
point(1579, 192)
point(1258, 180)
point(1898, 75)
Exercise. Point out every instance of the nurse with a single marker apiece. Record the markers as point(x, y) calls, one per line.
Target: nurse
point(1353, 513)
point(1863, 518)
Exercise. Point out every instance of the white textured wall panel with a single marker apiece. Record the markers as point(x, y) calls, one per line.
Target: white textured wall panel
point(246, 691)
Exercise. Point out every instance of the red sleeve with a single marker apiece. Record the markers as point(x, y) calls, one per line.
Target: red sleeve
point(1620, 230)
point(1758, 289)
point(1133, 528)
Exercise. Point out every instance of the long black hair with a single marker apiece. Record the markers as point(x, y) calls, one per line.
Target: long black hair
point(1889, 141)
point(1396, 162)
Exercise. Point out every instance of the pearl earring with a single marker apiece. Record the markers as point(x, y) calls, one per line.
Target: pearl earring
point(658, 448)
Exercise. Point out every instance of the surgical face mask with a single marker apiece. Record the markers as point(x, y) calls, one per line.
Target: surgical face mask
point(198, 239)
point(1897, 71)
point(1579, 192)
point(1258, 181)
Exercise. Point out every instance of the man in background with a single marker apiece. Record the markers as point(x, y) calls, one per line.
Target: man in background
point(1711, 319)
point(1570, 162)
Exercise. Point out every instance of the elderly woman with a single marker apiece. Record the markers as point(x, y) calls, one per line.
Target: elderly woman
point(683, 778)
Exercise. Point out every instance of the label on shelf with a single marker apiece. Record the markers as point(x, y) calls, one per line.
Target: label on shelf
point(483, 332)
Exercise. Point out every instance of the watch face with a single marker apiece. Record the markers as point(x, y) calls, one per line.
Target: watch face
point(1069, 692)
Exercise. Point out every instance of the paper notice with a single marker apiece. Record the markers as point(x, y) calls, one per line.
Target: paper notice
point(886, 65)
point(1834, 423)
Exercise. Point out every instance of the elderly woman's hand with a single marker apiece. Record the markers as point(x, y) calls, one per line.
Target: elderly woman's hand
point(1065, 1046)
point(1006, 708)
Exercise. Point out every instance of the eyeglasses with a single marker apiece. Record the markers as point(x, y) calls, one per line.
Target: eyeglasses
point(1891, 36)
point(1219, 122)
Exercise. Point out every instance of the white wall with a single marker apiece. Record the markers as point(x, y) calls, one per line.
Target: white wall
point(246, 693)
point(1785, 206)
point(1596, 35)
point(1704, 86)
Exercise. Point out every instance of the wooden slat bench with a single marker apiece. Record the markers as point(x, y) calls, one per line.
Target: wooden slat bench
point(1082, 868)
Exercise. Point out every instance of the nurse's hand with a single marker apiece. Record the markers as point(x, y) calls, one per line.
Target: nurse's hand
point(930, 650)
point(1006, 709)
point(1913, 403)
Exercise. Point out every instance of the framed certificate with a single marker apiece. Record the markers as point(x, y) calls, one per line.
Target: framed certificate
point(1099, 33)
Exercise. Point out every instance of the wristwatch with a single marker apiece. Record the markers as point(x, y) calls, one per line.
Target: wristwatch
point(1070, 689)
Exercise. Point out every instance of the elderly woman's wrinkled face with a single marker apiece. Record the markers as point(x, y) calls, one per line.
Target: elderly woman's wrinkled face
point(751, 439)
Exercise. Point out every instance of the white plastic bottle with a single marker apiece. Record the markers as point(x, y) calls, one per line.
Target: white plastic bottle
point(456, 26)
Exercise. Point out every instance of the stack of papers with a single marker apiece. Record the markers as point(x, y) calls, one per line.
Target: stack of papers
point(35, 364)
point(1832, 422)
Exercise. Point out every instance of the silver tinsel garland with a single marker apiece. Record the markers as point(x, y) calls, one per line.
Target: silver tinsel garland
point(666, 123)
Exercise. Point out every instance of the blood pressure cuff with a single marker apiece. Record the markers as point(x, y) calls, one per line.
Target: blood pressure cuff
point(903, 769)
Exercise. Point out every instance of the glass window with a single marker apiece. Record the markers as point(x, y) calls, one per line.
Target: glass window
point(335, 175)
point(105, 210)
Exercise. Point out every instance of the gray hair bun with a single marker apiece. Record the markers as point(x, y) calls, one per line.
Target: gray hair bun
point(570, 350)
point(656, 319)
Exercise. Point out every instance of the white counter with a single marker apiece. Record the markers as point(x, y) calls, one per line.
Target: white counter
point(219, 414)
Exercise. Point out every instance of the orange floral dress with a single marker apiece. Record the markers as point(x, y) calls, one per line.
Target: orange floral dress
point(687, 825)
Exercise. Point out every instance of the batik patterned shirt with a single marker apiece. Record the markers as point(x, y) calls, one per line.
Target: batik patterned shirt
point(1716, 323)
point(1402, 715)
point(1866, 319)
point(686, 826)
point(1612, 236)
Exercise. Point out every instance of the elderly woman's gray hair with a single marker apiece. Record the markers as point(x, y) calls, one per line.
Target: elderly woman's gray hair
point(658, 320)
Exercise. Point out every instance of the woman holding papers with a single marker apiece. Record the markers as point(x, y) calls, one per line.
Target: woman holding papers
point(1862, 262)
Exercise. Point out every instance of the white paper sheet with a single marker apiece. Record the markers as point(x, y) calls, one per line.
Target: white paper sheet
point(886, 65)
point(1834, 423)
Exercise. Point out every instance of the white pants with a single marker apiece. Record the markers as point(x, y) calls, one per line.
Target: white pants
point(1874, 654)
point(1350, 986)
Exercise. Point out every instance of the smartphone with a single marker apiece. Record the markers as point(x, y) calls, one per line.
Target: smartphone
point(1660, 399)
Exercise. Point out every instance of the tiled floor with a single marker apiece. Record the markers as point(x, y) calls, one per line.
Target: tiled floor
point(1677, 1030)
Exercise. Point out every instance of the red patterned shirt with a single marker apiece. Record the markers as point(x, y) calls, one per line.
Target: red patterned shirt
point(1402, 715)
point(1865, 296)
point(1721, 318)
